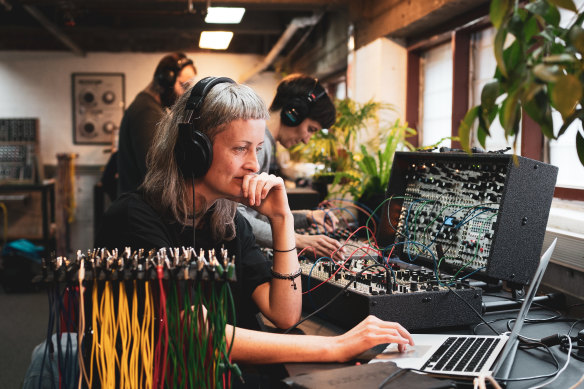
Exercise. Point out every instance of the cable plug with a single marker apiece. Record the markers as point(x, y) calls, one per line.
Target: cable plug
point(551, 340)
point(237, 371)
point(580, 342)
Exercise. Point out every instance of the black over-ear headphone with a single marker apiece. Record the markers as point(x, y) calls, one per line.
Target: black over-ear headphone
point(193, 151)
point(166, 74)
point(297, 109)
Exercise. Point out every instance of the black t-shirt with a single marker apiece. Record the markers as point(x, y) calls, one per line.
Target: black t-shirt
point(130, 221)
point(137, 131)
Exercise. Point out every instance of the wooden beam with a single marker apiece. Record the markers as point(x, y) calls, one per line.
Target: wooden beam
point(379, 18)
point(266, 4)
point(53, 29)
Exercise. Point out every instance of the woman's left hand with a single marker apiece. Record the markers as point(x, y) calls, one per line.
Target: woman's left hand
point(266, 194)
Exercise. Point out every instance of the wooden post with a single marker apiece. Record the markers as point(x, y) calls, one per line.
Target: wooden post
point(65, 201)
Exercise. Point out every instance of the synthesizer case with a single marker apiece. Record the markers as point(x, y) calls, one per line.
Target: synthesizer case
point(449, 217)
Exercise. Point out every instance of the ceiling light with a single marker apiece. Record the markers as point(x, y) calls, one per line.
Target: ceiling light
point(224, 15)
point(216, 40)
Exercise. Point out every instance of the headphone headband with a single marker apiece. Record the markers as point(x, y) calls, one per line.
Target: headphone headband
point(183, 62)
point(316, 93)
point(198, 94)
point(298, 108)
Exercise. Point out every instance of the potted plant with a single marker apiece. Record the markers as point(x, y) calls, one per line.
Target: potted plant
point(356, 153)
point(540, 66)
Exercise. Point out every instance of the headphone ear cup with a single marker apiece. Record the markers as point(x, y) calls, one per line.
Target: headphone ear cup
point(193, 152)
point(203, 153)
point(294, 113)
point(166, 78)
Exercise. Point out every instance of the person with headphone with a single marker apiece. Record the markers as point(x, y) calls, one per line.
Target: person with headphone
point(203, 161)
point(142, 116)
point(300, 108)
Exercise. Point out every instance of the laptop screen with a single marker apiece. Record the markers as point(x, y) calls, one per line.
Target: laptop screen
point(507, 356)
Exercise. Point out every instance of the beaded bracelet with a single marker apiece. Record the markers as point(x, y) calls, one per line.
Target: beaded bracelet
point(284, 251)
point(291, 276)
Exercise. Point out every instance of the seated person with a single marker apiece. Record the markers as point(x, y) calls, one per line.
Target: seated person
point(300, 108)
point(196, 174)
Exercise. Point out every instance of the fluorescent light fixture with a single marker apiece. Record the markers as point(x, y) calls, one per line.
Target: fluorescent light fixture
point(216, 40)
point(224, 15)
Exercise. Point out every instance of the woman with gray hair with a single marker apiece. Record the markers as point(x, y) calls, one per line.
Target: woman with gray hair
point(202, 163)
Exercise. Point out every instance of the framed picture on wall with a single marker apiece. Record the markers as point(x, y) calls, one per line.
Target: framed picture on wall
point(98, 107)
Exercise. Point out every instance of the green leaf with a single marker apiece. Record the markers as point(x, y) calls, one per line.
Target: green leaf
point(567, 4)
point(498, 11)
point(580, 147)
point(486, 118)
point(538, 108)
point(482, 137)
point(560, 58)
point(548, 36)
point(576, 38)
point(530, 29)
point(464, 130)
point(488, 110)
point(552, 16)
point(498, 46)
point(515, 25)
point(513, 57)
point(509, 115)
point(566, 93)
point(489, 94)
point(578, 114)
point(538, 7)
point(547, 73)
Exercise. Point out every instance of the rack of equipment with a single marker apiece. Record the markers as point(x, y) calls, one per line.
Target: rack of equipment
point(446, 217)
point(19, 151)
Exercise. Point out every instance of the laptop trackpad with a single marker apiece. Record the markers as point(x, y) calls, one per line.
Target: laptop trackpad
point(414, 356)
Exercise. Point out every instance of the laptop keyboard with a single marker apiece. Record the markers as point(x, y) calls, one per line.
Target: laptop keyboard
point(462, 354)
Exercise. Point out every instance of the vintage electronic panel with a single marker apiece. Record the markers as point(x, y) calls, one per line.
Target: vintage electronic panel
point(484, 214)
point(98, 107)
point(19, 151)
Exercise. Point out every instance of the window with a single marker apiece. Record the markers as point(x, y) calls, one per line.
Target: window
point(436, 85)
point(482, 68)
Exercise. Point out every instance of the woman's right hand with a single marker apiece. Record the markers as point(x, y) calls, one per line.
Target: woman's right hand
point(322, 244)
point(369, 333)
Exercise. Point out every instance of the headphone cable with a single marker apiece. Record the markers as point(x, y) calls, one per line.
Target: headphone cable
point(193, 177)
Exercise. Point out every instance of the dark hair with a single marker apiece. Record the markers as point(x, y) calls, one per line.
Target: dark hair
point(166, 73)
point(299, 86)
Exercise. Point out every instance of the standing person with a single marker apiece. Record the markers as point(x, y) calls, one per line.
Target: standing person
point(300, 109)
point(143, 115)
point(203, 161)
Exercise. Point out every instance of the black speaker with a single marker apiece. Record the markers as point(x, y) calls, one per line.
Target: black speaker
point(297, 109)
point(167, 71)
point(193, 150)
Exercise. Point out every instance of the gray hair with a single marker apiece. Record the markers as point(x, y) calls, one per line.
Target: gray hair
point(164, 187)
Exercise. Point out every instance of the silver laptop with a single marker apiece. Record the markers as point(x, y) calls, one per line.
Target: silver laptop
point(468, 355)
